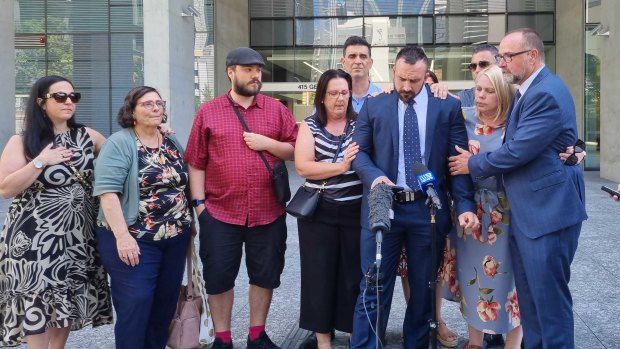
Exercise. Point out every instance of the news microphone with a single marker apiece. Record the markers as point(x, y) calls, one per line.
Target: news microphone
point(427, 182)
point(380, 204)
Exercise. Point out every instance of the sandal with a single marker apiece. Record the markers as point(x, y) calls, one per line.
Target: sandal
point(451, 340)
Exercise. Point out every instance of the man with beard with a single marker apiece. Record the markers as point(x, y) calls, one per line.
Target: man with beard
point(233, 196)
point(546, 198)
point(394, 132)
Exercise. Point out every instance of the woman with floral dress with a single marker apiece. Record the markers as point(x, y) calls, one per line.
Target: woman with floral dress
point(51, 277)
point(144, 220)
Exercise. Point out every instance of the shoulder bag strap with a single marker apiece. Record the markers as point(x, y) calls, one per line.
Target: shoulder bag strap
point(342, 138)
point(190, 284)
point(247, 129)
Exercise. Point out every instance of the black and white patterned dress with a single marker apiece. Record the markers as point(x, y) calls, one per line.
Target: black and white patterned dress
point(50, 272)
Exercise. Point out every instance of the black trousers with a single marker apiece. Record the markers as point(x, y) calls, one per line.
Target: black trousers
point(329, 248)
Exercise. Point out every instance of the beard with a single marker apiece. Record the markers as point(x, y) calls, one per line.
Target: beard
point(247, 91)
point(406, 96)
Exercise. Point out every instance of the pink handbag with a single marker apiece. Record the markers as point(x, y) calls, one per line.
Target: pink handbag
point(184, 331)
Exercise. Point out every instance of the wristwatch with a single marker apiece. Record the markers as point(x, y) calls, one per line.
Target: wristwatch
point(37, 163)
point(195, 203)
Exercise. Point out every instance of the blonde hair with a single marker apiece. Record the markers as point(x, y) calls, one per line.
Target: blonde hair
point(503, 90)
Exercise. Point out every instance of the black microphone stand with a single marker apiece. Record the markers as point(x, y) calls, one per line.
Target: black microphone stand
point(379, 290)
point(432, 285)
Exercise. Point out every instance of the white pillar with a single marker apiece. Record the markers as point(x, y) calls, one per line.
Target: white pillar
point(7, 71)
point(169, 60)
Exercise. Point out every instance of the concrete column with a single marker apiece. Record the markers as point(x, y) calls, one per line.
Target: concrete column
point(610, 90)
point(169, 60)
point(7, 71)
point(232, 30)
point(569, 52)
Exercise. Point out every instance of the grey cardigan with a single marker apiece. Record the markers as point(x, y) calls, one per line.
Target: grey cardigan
point(116, 171)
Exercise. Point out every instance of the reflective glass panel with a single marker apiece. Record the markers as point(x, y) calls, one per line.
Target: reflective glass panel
point(77, 16)
point(470, 6)
point(28, 18)
point(392, 31)
point(592, 100)
point(332, 8)
point(397, 7)
point(542, 23)
point(126, 19)
point(267, 32)
point(326, 31)
point(271, 8)
point(469, 29)
point(531, 5)
point(593, 11)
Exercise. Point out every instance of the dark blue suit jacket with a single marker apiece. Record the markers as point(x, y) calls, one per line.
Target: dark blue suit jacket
point(544, 194)
point(376, 132)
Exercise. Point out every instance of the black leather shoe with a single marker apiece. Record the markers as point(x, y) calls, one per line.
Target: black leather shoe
point(218, 344)
point(493, 340)
point(262, 342)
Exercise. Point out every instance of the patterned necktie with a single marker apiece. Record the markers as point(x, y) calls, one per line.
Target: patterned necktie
point(411, 145)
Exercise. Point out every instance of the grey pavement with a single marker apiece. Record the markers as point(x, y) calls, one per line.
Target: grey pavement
point(594, 284)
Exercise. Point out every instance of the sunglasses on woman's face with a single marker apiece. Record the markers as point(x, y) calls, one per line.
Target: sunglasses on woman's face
point(481, 64)
point(61, 97)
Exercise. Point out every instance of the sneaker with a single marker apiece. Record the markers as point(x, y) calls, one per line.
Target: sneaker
point(218, 344)
point(262, 342)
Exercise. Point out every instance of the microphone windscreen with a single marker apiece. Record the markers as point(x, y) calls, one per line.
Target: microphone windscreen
point(379, 204)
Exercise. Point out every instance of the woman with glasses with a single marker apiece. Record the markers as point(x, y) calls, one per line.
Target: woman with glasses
point(329, 244)
point(144, 220)
point(51, 278)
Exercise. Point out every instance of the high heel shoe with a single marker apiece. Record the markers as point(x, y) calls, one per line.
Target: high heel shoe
point(451, 340)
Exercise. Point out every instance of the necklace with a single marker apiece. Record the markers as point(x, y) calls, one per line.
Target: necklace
point(155, 155)
point(79, 176)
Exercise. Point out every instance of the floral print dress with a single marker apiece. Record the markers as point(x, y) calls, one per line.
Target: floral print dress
point(477, 266)
point(50, 271)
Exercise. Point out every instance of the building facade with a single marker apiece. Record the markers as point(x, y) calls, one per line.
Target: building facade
point(179, 47)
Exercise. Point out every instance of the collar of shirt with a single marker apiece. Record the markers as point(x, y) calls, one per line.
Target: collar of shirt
point(358, 103)
point(526, 84)
point(420, 106)
point(258, 101)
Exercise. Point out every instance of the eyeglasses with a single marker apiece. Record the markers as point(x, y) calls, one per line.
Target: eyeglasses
point(335, 94)
point(61, 97)
point(481, 64)
point(151, 104)
point(507, 57)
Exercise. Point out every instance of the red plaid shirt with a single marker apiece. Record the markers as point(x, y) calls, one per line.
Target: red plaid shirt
point(238, 186)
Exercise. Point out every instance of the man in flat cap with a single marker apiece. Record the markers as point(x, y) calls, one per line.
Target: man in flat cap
point(232, 193)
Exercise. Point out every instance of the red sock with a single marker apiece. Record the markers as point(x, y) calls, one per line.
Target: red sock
point(224, 336)
point(255, 331)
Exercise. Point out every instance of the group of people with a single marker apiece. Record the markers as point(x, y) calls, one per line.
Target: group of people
point(510, 205)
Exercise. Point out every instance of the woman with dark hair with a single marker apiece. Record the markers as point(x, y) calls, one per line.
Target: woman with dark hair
point(144, 220)
point(51, 278)
point(329, 244)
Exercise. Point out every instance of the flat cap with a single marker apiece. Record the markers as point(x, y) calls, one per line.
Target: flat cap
point(244, 56)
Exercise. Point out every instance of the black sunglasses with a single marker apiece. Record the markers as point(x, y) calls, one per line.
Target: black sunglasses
point(578, 148)
point(61, 97)
point(482, 64)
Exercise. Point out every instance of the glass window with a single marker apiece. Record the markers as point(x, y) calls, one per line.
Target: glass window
point(392, 31)
point(592, 100)
point(29, 16)
point(401, 7)
point(531, 5)
point(331, 8)
point(267, 32)
point(29, 66)
point(326, 31)
point(542, 23)
point(77, 16)
point(271, 8)
point(593, 11)
point(126, 19)
point(469, 29)
point(464, 6)
point(280, 66)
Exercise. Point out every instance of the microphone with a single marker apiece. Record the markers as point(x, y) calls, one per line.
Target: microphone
point(427, 182)
point(380, 204)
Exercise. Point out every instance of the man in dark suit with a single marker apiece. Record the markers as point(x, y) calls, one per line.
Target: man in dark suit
point(395, 131)
point(546, 197)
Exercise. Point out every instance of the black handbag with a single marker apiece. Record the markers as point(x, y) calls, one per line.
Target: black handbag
point(279, 173)
point(306, 199)
point(304, 202)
